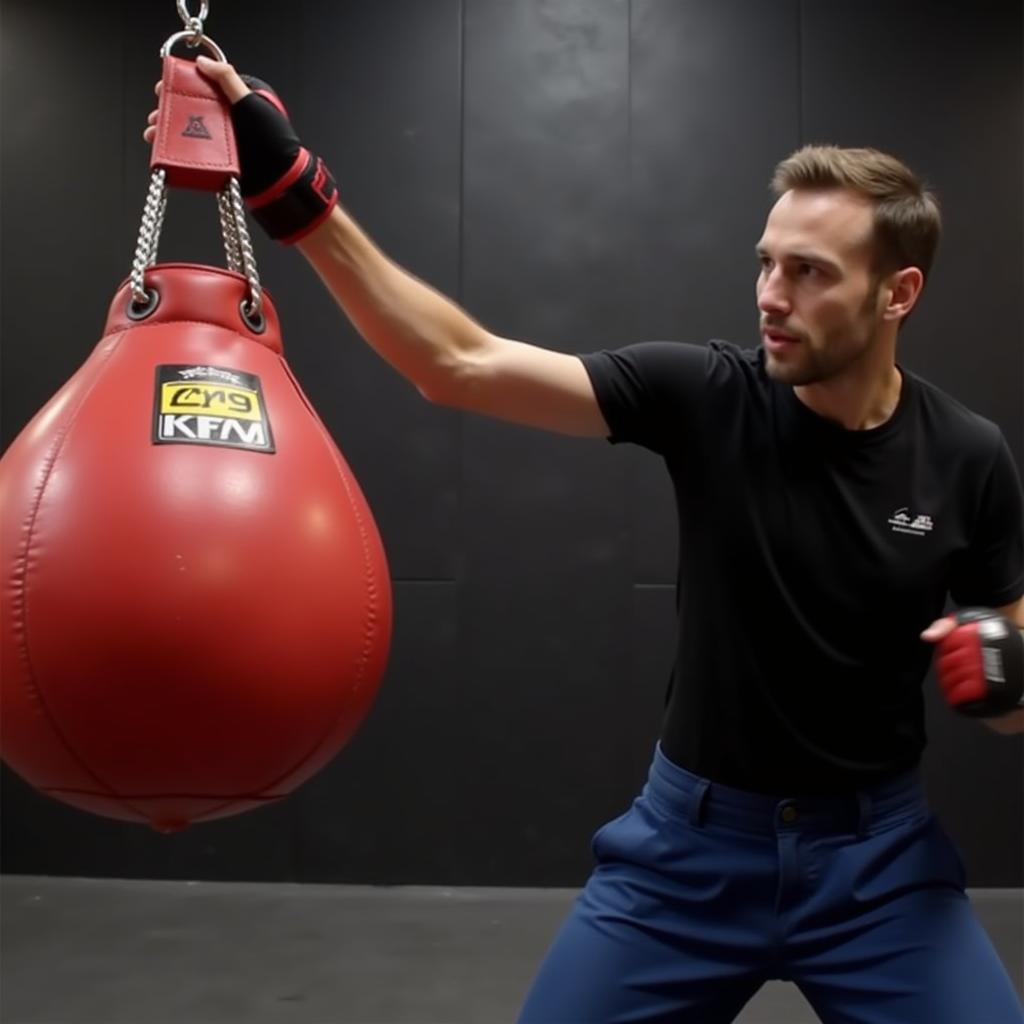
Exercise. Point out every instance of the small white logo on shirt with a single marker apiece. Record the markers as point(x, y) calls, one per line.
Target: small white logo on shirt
point(903, 522)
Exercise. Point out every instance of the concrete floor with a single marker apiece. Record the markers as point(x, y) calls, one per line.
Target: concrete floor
point(80, 951)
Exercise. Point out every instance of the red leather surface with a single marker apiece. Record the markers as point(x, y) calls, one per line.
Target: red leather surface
point(186, 631)
point(193, 293)
point(194, 141)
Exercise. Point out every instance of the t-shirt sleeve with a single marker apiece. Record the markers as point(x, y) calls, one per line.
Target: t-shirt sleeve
point(653, 393)
point(990, 572)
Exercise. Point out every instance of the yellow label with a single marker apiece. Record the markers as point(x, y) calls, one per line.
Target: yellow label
point(209, 399)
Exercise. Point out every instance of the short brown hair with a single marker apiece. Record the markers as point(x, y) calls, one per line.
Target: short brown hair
point(907, 218)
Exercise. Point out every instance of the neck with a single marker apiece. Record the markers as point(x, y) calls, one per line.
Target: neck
point(863, 396)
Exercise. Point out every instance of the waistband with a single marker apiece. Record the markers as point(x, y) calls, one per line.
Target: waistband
point(702, 801)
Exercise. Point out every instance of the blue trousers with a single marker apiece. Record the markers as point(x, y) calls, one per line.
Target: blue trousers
point(702, 893)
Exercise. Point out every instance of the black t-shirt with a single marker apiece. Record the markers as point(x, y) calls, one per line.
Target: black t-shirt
point(811, 557)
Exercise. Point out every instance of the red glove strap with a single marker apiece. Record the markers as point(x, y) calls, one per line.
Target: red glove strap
point(961, 668)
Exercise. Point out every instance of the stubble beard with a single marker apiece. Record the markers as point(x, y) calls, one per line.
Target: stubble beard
point(815, 365)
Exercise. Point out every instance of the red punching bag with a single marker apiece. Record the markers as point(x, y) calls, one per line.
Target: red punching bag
point(196, 608)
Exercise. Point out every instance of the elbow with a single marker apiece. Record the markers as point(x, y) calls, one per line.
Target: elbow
point(449, 384)
point(436, 395)
point(1011, 724)
point(441, 387)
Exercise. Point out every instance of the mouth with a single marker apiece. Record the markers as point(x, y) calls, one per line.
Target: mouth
point(778, 341)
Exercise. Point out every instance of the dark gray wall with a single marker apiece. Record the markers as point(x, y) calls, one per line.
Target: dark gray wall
point(580, 174)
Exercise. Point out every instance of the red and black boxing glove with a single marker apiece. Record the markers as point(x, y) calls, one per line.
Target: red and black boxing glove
point(289, 190)
point(980, 664)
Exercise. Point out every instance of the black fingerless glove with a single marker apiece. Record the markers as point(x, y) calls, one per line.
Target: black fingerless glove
point(288, 189)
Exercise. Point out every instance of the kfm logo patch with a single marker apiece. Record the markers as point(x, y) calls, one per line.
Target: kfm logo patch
point(210, 405)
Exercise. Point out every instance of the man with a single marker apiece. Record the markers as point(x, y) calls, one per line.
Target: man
point(828, 501)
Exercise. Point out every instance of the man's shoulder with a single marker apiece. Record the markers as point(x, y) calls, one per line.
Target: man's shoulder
point(714, 362)
point(748, 357)
point(731, 360)
point(950, 420)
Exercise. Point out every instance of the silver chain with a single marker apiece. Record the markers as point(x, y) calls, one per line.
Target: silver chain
point(190, 20)
point(159, 227)
point(232, 251)
point(255, 305)
point(149, 234)
point(193, 23)
point(238, 250)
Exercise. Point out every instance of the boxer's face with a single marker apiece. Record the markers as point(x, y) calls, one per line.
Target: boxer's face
point(819, 299)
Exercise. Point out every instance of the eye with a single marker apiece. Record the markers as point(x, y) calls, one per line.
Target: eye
point(807, 270)
point(765, 261)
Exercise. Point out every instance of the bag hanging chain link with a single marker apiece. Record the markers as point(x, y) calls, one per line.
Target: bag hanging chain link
point(241, 240)
point(232, 252)
point(238, 250)
point(149, 234)
point(193, 23)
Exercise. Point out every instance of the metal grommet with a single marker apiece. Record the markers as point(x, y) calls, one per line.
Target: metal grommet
point(135, 312)
point(257, 324)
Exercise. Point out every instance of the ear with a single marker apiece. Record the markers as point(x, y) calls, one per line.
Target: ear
point(900, 291)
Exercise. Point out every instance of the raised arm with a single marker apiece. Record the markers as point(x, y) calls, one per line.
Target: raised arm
point(450, 358)
point(425, 336)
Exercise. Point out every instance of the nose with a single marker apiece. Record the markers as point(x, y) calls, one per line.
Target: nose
point(771, 293)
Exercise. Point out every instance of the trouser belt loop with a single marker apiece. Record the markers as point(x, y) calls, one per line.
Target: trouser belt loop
point(697, 798)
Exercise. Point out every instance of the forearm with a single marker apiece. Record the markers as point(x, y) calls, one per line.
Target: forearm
point(422, 334)
point(1008, 725)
